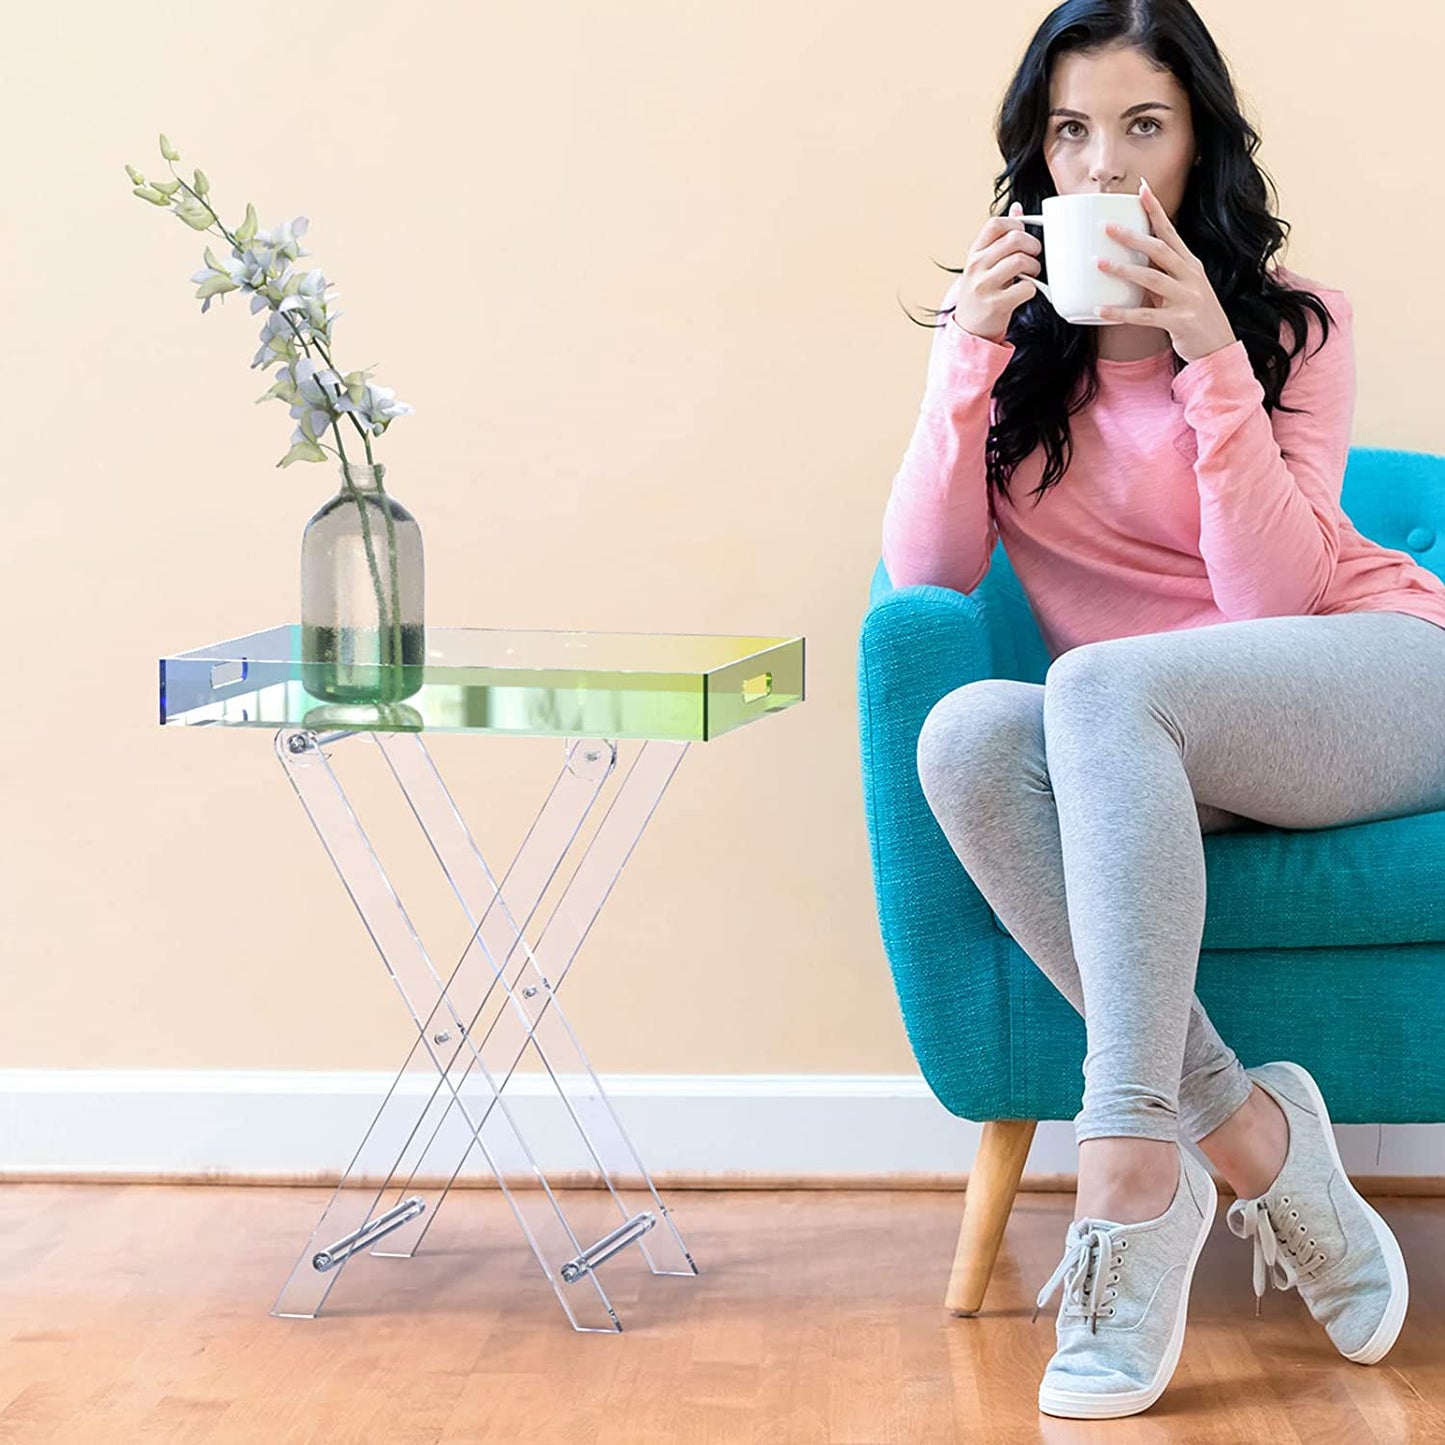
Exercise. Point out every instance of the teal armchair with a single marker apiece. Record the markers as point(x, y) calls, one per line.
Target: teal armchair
point(1348, 923)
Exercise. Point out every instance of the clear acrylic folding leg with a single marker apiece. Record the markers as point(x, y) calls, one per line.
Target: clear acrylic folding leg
point(497, 1008)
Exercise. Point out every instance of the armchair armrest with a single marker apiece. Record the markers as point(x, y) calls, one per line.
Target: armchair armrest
point(950, 965)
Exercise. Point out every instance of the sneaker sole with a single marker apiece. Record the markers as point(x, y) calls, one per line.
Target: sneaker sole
point(1387, 1331)
point(1083, 1405)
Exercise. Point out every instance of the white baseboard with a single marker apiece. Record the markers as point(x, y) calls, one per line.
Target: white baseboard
point(305, 1126)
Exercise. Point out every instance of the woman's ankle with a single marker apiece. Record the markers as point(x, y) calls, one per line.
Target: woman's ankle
point(1126, 1179)
point(1249, 1148)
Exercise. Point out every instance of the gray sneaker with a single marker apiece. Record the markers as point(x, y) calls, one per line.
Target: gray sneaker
point(1120, 1324)
point(1314, 1231)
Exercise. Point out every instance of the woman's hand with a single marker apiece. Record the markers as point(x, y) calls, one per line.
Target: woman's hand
point(991, 288)
point(1187, 307)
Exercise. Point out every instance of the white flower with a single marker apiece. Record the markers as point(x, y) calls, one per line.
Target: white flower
point(262, 268)
point(278, 341)
point(380, 408)
point(283, 239)
point(309, 295)
point(240, 271)
point(375, 406)
point(319, 393)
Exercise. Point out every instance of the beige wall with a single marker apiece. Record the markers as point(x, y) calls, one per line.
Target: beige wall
point(635, 266)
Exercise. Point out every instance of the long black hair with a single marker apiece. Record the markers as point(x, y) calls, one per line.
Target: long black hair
point(1225, 219)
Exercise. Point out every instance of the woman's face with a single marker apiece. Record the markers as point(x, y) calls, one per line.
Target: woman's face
point(1111, 134)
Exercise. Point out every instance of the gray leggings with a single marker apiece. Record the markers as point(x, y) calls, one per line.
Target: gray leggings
point(1078, 806)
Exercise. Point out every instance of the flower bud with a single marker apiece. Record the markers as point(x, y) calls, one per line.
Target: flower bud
point(193, 213)
point(216, 285)
point(168, 152)
point(304, 451)
point(201, 185)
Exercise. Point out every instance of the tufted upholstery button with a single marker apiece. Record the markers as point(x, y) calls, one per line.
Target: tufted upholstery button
point(1419, 538)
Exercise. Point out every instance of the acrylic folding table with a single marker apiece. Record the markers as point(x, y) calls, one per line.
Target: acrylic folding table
point(478, 1020)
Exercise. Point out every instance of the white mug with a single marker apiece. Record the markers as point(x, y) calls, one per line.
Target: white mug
point(1074, 235)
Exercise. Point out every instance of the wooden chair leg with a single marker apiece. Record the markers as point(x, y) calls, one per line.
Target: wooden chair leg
point(987, 1203)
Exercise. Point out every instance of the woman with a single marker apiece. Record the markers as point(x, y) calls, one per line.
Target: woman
point(1227, 650)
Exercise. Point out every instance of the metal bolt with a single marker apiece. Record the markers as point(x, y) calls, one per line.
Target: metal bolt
point(440, 1038)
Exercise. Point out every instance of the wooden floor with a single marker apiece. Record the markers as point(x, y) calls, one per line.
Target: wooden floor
point(141, 1313)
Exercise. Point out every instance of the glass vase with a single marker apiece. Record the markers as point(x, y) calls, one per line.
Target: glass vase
point(363, 640)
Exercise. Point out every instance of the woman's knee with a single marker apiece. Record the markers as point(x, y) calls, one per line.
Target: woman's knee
point(1099, 680)
point(1095, 669)
point(975, 735)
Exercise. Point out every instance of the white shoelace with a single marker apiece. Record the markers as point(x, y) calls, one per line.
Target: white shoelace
point(1280, 1259)
point(1086, 1290)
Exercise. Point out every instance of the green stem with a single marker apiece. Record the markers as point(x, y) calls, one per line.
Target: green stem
point(350, 487)
point(391, 545)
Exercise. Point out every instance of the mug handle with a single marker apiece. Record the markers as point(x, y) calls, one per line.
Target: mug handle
point(1043, 286)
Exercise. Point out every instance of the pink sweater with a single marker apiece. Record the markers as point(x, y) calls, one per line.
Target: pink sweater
point(1178, 508)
